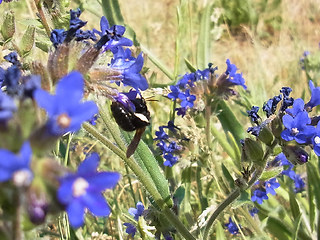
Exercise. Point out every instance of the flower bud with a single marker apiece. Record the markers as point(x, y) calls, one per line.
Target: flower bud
point(27, 40)
point(266, 135)
point(253, 150)
point(276, 127)
point(295, 154)
point(8, 27)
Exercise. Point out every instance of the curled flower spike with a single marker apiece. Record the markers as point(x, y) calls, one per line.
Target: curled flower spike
point(115, 32)
point(65, 110)
point(82, 190)
point(16, 166)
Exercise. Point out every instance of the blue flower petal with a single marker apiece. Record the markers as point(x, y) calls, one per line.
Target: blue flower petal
point(89, 165)
point(75, 212)
point(46, 101)
point(96, 203)
point(103, 180)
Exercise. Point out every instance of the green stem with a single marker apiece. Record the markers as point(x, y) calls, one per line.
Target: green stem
point(144, 179)
point(251, 221)
point(178, 224)
point(17, 233)
point(230, 199)
point(42, 17)
point(66, 156)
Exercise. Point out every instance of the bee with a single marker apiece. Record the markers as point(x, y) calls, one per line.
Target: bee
point(135, 118)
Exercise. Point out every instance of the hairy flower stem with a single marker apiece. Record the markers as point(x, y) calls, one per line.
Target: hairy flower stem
point(144, 178)
point(17, 233)
point(42, 17)
point(230, 199)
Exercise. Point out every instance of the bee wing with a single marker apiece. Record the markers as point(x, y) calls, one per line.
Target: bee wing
point(135, 141)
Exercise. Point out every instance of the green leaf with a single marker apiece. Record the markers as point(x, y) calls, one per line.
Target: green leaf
point(179, 194)
point(223, 142)
point(294, 206)
point(243, 199)
point(297, 223)
point(266, 175)
point(229, 121)
point(189, 65)
point(151, 164)
point(112, 11)
point(203, 47)
point(277, 228)
point(220, 233)
point(227, 176)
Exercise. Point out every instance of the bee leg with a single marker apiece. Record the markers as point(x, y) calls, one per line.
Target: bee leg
point(135, 141)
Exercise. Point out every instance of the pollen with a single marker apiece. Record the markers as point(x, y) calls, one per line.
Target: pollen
point(64, 120)
point(79, 187)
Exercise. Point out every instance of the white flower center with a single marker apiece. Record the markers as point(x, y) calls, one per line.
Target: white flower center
point(317, 140)
point(22, 178)
point(79, 187)
point(294, 131)
point(64, 120)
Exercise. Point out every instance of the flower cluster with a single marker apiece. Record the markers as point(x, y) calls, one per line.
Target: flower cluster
point(232, 227)
point(299, 126)
point(263, 189)
point(166, 145)
point(136, 213)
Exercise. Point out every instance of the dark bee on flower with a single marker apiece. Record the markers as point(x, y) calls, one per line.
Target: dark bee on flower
point(131, 113)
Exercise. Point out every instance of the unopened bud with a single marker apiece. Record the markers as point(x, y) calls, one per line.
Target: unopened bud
point(295, 154)
point(8, 27)
point(253, 150)
point(266, 135)
point(27, 40)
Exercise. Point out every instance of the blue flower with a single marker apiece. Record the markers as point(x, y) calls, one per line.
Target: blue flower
point(258, 196)
point(316, 140)
point(270, 185)
point(82, 190)
point(232, 227)
point(181, 111)
point(11, 80)
point(297, 128)
point(129, 69)
point(131, 229)
point(187, 99)
point(298, 106)
point(298, 184)
point(137, 212)
point(16, 166)
point(170, 160)
point(255, 131)
point(7, 107)
point(58, 36)
point(115, 33)
point(66, 112)
point(253, 211)
point(315, 96)
point(234, 78)
point(161, 134)
point(175, 91)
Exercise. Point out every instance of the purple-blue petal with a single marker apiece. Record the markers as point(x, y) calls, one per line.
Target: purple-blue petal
point(103, 180)
point(96, 203)
point(75, 212)
point(89, 165)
